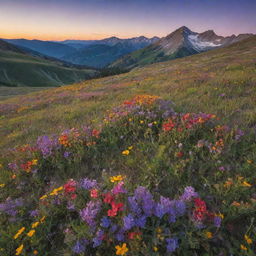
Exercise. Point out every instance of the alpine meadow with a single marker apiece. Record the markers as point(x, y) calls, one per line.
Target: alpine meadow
point(128, 145)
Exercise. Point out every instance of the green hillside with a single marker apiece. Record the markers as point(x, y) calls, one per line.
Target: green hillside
point(20, 69)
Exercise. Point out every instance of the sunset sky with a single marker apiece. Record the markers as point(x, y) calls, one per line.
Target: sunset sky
point(96, 19)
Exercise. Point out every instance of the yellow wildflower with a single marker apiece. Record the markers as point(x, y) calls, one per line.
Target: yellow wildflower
point(121, 250)
point(141, 122)
point(242, 247)
point(246, 184)
point(249, 161)
point(208, 235)
point(116, 178)
point(2, 185)
point(126, 152)
point(35, 224)
point(155, 122)
point(20, 231)
point(1, 166)
point(14, 176)
point(34, 161)
point(248, 239)
point(42, 219)
point(31, 233)
point(130, 119)
point(43, 197)
point(19, 250)
point(155, 249)
point(130, 148)
point(159, 230)
point(35, 252)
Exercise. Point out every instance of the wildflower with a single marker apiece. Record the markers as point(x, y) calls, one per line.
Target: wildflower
point(172, 244)
point(248, 239)
point(168, 125)
point(189, 193)
point(14, 176)
point(130, 148)
point(97, 241)
point(2, 185)
point(105, 222)
point(243, 248)
point(116, 178)
point(31, 232)
point(94, 193)
point(20, 231)
point(235, 203)
point(208, 234)
point(121, 250)
point(126, 152)
point(108, 198)
point(179, 154)
point(128, 222)
point(35, 252)
point(141, 122)
point(34, 161)
point(133, 235)
point(19, 249)
point(119, 188)
point(70, 186)
point(80, 246)
point(42, 219)
point(155, 249)
point(249, 161)
point(88, 184)
point(246, 184)
point(35, 224)
point(89, 213)
point(43, 197)
point(217, 221)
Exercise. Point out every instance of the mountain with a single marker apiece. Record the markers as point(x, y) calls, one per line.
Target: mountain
point(106, 51)
point(52, 49)
point(180, 43)
point(18, 68)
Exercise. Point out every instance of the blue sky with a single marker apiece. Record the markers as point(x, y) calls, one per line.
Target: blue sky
point(94, 19)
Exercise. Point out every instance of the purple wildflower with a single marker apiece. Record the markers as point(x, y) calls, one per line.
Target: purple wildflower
point(172, 244)
point(46, 145)
point(141, 221)
point(128, 222)
point(105, 222)
point(97, 240)
point(66, 154)
point(80, 246)
point(88, 184)
point(189, 193)
point(217, 221)
point(89, 213)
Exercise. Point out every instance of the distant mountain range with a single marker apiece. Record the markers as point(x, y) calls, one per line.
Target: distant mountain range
point(21, 68)
point(125, 54)
point(94, 53)
point(180, 43)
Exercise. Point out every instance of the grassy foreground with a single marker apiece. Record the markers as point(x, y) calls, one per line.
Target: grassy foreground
point(183, 184)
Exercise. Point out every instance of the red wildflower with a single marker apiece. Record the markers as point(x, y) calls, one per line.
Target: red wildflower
point(108, 198)
point(168, 125)
point(179, 154)
point(70, 187)
point(94, 193)
point(133, 235)
point(95, 133)
point(200, 211)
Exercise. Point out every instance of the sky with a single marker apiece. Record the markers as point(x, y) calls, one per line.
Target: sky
point(97, 19)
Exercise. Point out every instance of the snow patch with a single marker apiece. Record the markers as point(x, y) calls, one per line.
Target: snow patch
point(200, 45)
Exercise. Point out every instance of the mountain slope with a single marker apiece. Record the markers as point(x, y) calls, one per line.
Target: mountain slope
point(20, 69)
point(221, 81)
point(47, 48)
point(180, 43)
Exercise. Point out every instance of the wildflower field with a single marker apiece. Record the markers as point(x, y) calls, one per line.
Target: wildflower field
point(158, 161)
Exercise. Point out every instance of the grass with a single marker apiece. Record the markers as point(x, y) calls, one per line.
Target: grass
point(19, 69)
point(219, 81)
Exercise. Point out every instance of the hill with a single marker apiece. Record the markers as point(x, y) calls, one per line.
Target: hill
point(220, 81)
point(180, 43)
point(18, 68)
point(52, 49)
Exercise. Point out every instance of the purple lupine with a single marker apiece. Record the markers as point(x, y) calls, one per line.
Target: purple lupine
point(143, 196)
point(172, 244)
point(162, 207)
point(97, 240)
point(66, 154)
point(134, 206)
point(105, 222)
point(141, 221)
point(189, 193)
point(239, 134)
point(89, 213)
point(9, 206)
point(80, 246)
point(46, 145)
point(217, 221)
point(34, 213)
point(180, 207)
point(88, 184)
point(128, 222)
point(120, 235)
